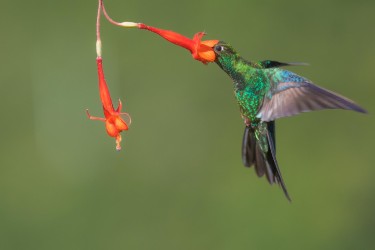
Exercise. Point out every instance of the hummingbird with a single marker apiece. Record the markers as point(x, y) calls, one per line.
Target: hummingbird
point(266, 92)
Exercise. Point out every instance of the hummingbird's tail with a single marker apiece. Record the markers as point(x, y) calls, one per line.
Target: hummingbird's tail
point(265, 162)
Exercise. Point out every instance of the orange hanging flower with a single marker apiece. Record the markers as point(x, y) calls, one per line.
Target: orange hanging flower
point(200, 50)
point(114, 123)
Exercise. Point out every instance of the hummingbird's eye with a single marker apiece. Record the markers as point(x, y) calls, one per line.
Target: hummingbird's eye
point(219, 48)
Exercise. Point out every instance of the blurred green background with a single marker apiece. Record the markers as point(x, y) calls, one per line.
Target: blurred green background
point(179, 182)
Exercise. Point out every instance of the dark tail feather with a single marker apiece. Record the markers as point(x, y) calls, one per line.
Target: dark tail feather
point(248, 147)
point(271, 159)
point(267, 64)
point(251, 152)
point(265, 163)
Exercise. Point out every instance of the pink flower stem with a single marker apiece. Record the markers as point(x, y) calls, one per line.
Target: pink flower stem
point(98, 41)
point(107, 16)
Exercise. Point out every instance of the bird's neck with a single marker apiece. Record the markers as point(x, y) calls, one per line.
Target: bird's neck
point(228, 63)
point(236, 67)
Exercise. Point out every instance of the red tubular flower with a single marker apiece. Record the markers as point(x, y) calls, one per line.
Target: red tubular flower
point(114, 123)
point(201, 50)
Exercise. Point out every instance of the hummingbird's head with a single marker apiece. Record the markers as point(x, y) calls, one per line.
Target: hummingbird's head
point(224, 54)
point(223, 49)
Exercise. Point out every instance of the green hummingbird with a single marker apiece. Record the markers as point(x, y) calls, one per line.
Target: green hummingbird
point(266, 92)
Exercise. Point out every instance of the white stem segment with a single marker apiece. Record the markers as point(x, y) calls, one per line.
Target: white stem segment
point(128, 24)
point(99, 48)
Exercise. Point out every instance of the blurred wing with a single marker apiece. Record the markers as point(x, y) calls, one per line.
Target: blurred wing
point(293, 97)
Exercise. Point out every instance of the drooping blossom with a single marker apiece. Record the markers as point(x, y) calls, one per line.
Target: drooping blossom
point(114, 122)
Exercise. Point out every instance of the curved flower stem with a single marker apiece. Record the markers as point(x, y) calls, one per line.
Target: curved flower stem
point(122, 24)
point(107, 16)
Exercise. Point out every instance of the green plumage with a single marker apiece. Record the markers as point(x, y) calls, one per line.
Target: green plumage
point(264, 93)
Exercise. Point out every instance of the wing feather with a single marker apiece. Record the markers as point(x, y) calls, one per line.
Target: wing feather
point(291, 98)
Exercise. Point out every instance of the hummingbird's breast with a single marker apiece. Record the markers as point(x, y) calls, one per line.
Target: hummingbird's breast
point(250, 90)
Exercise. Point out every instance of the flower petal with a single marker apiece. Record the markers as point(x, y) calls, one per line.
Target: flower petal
point(206, 53)
point(111, 128)
point(120, 124)
point(204, 49)
point(210, 43)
